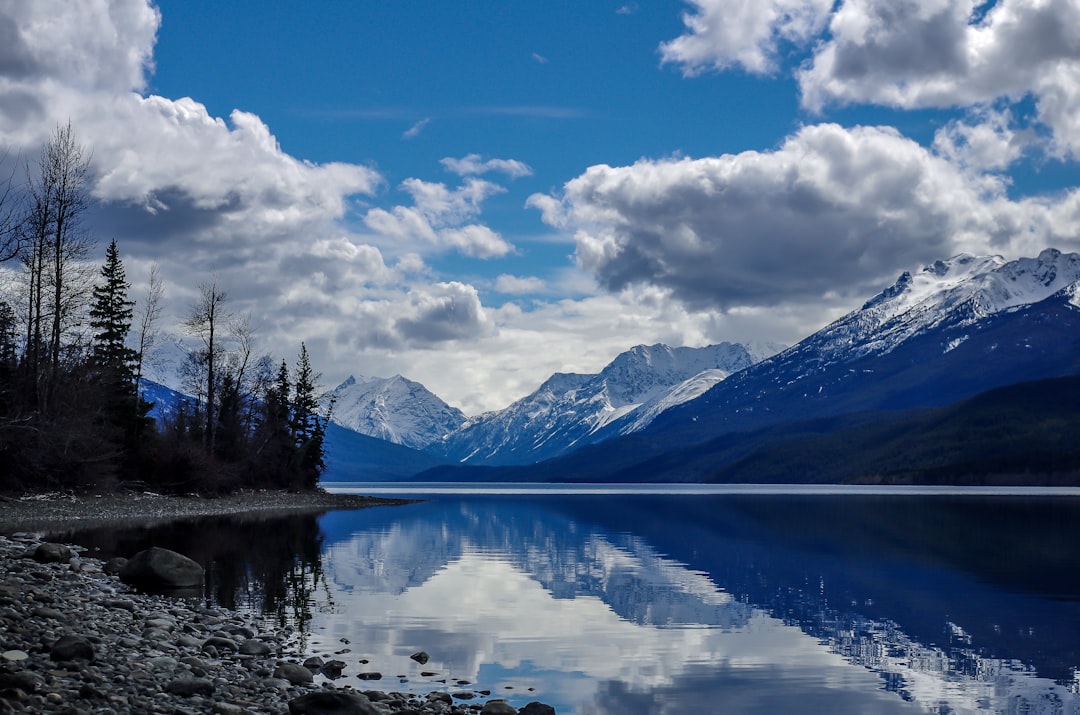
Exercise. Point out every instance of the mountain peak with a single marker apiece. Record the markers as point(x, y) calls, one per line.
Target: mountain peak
point(395, 409)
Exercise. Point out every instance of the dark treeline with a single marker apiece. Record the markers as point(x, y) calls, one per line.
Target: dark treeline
point(72, 350)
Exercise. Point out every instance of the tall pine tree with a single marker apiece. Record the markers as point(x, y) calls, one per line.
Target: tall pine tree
point(307, 426)
point(110, 318)
point(111, 360)
point(274, 453)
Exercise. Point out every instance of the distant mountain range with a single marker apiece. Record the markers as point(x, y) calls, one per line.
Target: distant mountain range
point(566, 411)
point(954, 330)
point(937, 337)
point(571, 410)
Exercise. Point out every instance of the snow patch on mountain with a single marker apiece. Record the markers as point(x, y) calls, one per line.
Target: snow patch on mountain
point(685, 391)
point(569, 408)
point(1072, 294)
point(956, 292)
point(394, 409)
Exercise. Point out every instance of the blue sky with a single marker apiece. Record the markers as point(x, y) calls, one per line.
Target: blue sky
point(478, 194)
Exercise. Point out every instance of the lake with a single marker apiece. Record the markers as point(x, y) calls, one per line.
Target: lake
point(731, 600)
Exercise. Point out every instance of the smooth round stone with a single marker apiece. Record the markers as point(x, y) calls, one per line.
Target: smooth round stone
point(254, 647)
point(161, 624)
point(498, 707)
point(332, 703)
point(13, 656)
point(295, 674)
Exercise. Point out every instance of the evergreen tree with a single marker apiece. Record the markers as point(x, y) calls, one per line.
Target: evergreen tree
point(112, 362)
point(231, 438)
point(275, 451)
point(110, 317)
point(306, 424)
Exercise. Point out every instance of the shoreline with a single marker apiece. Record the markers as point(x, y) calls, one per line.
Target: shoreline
point(75, 640)
point(61, 511)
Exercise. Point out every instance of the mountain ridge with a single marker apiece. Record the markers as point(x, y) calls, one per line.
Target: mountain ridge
point(568, 409)
point(910, 312)
point(958, 328)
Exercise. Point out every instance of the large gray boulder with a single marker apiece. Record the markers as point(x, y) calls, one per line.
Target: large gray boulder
point(157, 568)
point(52, 553)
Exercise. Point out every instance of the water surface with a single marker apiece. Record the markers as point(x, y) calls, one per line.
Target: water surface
point(864, 602)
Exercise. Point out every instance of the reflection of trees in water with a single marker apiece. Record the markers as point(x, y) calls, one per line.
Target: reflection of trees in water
point(268, 566)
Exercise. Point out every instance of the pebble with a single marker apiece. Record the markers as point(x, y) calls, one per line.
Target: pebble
point(79, 641)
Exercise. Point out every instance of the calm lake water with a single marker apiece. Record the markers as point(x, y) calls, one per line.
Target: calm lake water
point(605, 603)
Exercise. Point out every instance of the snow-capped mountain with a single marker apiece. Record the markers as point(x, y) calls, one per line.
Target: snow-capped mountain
point(956, 329)
point(949, 331)
point(568, 409)
point(950, 293)
point(394, 409)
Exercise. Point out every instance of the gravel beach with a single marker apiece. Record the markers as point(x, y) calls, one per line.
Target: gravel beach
point(76, 640)
point(65, 511)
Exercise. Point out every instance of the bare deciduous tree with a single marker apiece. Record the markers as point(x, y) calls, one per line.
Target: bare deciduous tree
point(56, 247)
point(147, 314)
point(10, 229)
point(204, 320)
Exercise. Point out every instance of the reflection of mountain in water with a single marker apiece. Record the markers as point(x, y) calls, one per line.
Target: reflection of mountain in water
point(953, 602)
point(1006, 571)
point(394, 558)
point(920, 593)
point(637, 583)
point(953, 678)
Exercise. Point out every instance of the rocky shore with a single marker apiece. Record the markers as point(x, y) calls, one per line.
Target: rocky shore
point(58, 511)
point(76, 640)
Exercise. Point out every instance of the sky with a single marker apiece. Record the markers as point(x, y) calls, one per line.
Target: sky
point(478, 194)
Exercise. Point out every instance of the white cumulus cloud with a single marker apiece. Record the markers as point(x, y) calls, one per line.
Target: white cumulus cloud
point(722, 34)
point(441, 216)
point(907, 54)
point(987, 143)
point(953, 53)
point(832, 209)
point(474, 164)
point(442, 312)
